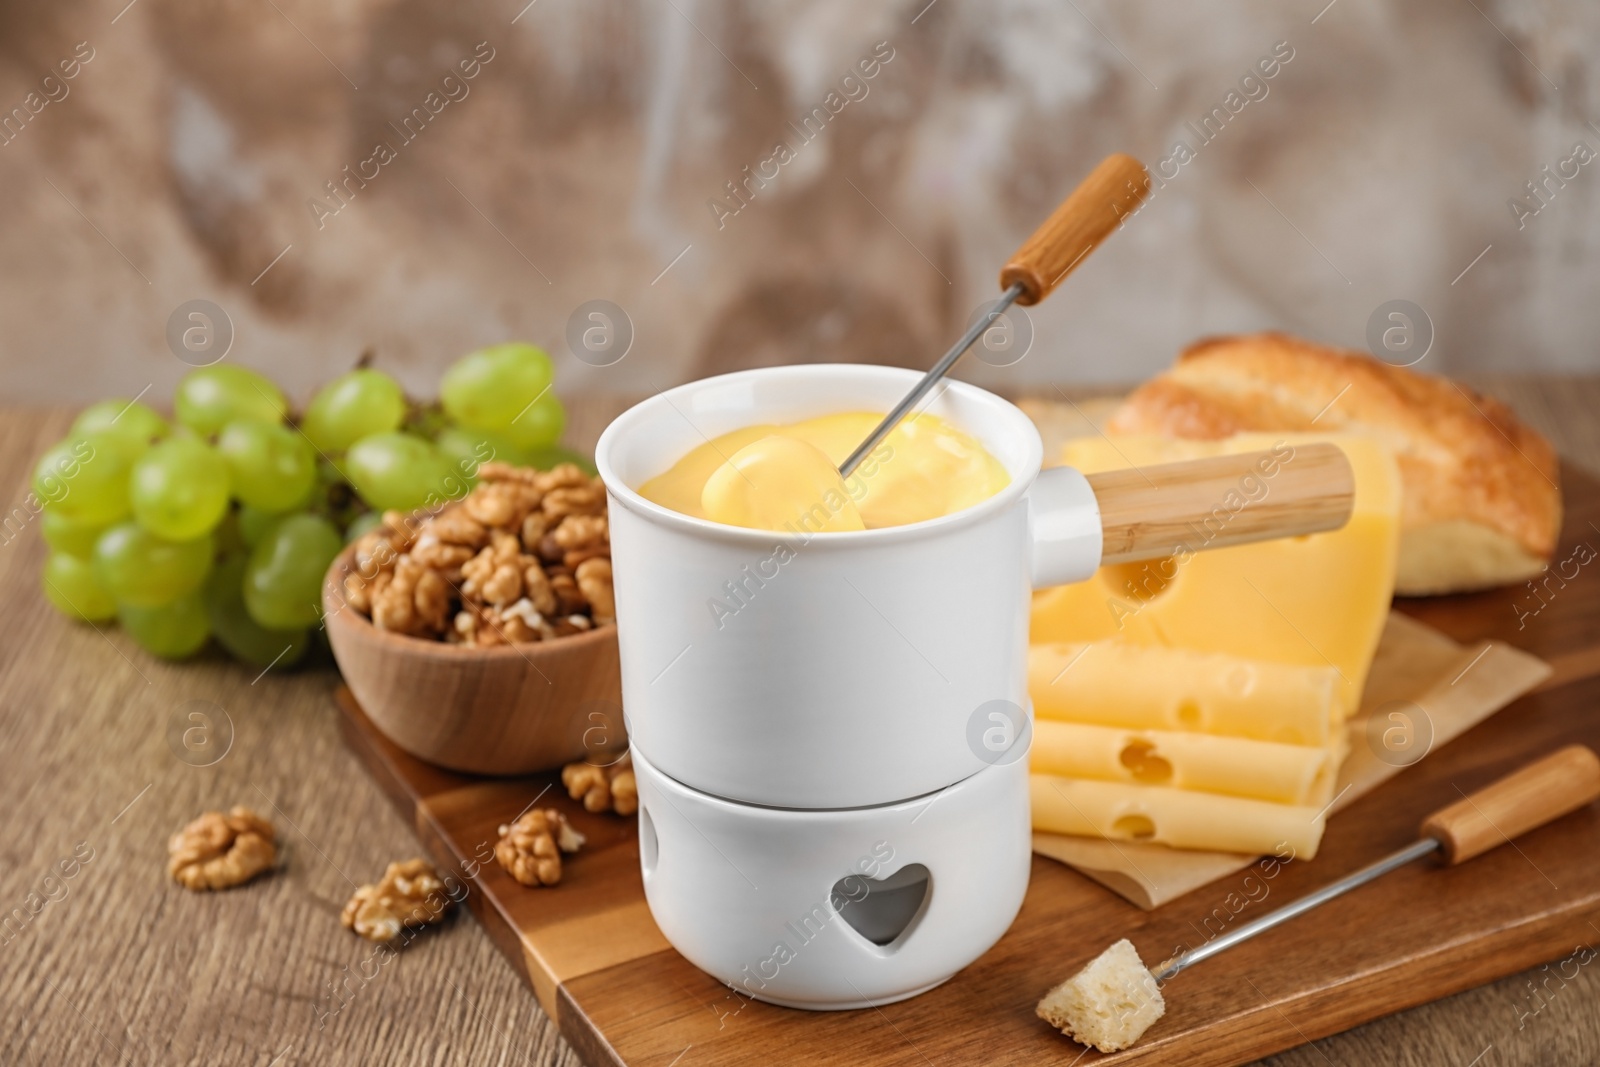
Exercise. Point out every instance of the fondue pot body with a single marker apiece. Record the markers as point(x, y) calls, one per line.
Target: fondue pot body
point(830, 731)
point(834, 670)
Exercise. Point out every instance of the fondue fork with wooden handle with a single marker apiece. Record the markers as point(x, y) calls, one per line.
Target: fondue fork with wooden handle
point(1540, 792)
point(1145, 512)
point(1537, 793)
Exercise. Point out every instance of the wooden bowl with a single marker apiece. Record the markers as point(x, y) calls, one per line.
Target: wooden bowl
point(513, 709)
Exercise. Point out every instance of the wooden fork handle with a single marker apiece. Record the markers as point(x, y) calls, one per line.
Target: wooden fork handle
point(1562, 782)
point(1111, 192)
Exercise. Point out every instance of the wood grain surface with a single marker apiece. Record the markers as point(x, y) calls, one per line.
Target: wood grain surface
point(124, 967)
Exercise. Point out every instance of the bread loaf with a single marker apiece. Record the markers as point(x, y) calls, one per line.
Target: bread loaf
point(1482, 500)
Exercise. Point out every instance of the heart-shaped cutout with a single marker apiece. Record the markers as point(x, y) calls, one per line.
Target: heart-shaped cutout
point(649, 844)
point(882, 910)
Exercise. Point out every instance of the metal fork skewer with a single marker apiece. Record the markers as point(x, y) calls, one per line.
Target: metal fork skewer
point(1183, 960)
point(938, 371)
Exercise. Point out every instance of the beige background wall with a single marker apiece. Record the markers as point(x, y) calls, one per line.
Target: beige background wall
point(183, 158)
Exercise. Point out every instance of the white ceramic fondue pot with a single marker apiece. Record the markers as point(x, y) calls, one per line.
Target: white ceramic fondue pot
point(849, 669)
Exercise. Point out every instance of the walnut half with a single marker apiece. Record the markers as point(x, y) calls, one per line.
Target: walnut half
point(608, 788)
point(410, 894)
point(219, 851)
point(530, 848)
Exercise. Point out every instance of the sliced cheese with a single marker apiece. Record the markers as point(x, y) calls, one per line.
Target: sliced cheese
point(1263, 770)
point(1117, 683)
point(1313, 601)
point(1123, 812)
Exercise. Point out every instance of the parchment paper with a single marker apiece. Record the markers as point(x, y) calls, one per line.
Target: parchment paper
point(1416, 667)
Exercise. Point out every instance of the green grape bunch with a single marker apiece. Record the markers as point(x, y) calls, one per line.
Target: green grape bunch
point(218, 526)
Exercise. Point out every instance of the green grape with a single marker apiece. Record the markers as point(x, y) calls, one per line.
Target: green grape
point(283, 580)
point(127, 417)
point(255, 524)
point(271, 466)
point(396, 470)
point(489, 388)
point(353, 406)
point(70, 584)
point(141, 570)
point(363, 523)
point(179, 489)
point(86, 478)
point(540, 425)
point(236, 631)
point(464, 449)
point(172, 631)
point(211, 397)
point(548, 458)
point(68, 537)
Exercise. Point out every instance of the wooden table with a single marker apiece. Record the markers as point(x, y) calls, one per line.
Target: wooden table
point(121, 966)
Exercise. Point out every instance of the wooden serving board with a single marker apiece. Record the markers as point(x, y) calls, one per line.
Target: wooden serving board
point(622, 995)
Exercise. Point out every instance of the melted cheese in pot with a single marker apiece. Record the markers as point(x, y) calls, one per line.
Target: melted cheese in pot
point(773, 477)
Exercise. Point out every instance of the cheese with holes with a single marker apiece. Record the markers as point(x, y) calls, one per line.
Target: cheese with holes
point(1263, 770)
point(1121, 811)
point(1312, 601)
point(1116, 683)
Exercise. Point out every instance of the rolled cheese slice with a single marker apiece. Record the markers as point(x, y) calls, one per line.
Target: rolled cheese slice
point(1233, 766)
point(1147, 687)
point(1123, 812)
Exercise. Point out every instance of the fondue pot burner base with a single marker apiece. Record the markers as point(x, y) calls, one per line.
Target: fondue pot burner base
point(835, 909)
